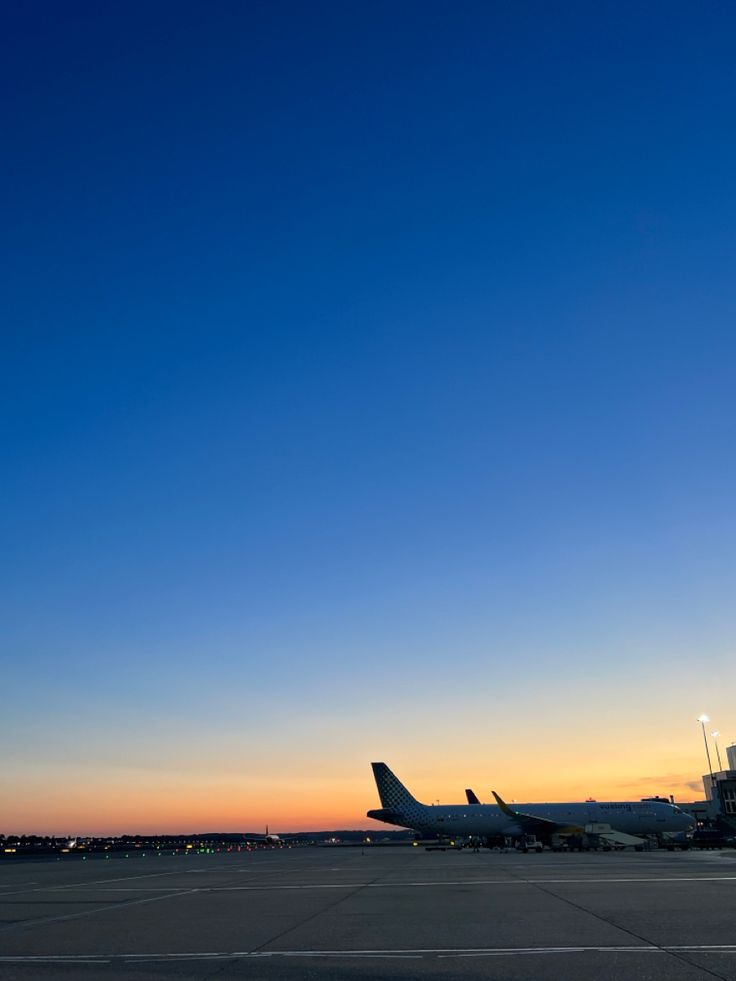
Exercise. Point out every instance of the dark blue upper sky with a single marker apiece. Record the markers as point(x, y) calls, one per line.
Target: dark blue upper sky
point(351, 332)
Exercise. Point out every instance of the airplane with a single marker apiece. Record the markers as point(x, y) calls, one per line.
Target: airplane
point(472, 799)
point(269, 838)
point(488, 821)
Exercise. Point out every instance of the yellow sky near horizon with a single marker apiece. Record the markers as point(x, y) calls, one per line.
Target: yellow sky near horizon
point(79, 799)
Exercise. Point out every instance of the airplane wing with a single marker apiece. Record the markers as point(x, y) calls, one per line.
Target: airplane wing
point(472, 799)
point(531, 824)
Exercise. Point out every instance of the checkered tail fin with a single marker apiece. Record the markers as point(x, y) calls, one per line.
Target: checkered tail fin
point(391, 790)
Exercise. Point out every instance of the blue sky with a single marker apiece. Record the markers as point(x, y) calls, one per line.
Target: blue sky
point(350, 353)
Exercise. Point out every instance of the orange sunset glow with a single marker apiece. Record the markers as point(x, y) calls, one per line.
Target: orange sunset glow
point(303, 787)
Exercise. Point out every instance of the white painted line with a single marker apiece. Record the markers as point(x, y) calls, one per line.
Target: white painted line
point(43, 921)
point(490, 951)
point(130, 878)
point(418, 952)
point(397, 884)
point(53, 960)
point(125, 878)
point(391, 884)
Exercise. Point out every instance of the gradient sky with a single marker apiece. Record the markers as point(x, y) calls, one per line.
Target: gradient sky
point(368, 391)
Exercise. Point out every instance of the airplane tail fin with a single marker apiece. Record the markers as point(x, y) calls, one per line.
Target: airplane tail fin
point(472, 799)
point(394, 795)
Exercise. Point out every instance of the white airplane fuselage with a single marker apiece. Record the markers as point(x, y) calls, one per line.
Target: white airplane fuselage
point(486, 820)
point(399, 807)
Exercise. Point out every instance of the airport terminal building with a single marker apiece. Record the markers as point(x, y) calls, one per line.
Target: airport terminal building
point(719, 806)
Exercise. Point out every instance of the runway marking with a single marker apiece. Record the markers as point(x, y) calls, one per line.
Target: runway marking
point(17, 892)
point(453, 882)
point(393, 884)
point(44, 920)
point(122, 878)
point(398, 953)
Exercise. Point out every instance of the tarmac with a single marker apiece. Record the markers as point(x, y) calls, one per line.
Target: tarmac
point(378, 912)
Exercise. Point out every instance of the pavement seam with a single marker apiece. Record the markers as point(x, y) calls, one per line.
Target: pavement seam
point(650, 943)
point(259, 947)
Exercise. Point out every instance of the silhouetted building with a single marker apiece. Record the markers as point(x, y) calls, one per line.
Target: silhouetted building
point(716, 785)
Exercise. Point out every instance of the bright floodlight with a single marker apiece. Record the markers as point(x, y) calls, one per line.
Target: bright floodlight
point(715, 734)
point(703, 718)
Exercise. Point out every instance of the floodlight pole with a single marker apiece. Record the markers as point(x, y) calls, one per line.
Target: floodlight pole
point(718, 752)
point(702, 720)
point(707, 751)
